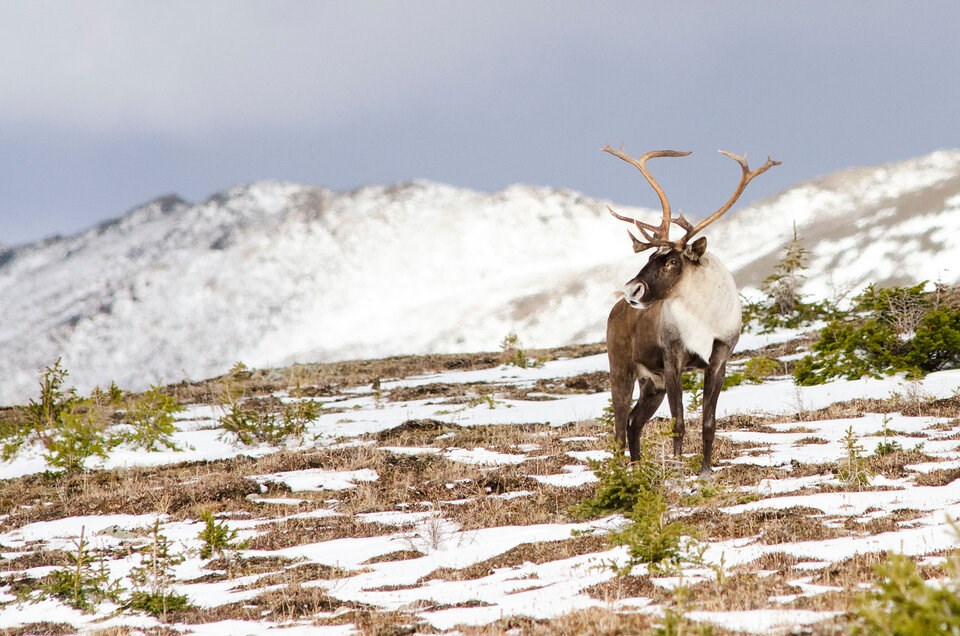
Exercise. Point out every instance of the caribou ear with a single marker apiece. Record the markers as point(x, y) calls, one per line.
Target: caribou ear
point(695, 250)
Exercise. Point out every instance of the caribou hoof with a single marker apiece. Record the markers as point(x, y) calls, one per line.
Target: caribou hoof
point(706, 474)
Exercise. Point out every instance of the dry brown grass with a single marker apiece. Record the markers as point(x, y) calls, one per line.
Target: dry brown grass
point(887, 523)
point(739, 591)
point(771, 526)
point(628, 586)
point(454, 393)
point(809, 470)
point(852, 571)
point(724, 449)
point(736, 475)
point(42, 627)
point(223, 568)
point(415, 433)
point(288, 533)
point(383, 623)
point(778, 561)
point(594, 382)
point(281, 604)
point(541, 552)
point(35, 559)
point(937, 477)
point(892, 465)
point(546, 504)
point(595, 621)
point(912, 404)
point(299, 574)
point(182, 491)
point(399, 555)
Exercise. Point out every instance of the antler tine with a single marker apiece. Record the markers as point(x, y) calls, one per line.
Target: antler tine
point(745, 179)
point(661, 234)
point(640, 224)
point(650, 240)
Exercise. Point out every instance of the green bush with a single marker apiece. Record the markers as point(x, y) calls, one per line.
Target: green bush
point(622, 485)
point(517, 356)
point(81, 433)
point(906, 605)
point(888, 331)
point(889, 445)
point(650, 536)
point(157, 604)
point(755, 371)
point(692, 383)
point(40, 417)
point(69, 429)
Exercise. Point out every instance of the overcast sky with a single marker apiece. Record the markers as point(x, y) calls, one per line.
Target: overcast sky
point(105, 105)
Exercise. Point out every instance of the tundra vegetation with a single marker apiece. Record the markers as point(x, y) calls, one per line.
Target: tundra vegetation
point(477, 515)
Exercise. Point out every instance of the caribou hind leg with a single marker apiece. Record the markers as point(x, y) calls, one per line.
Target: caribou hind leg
point(712, 384)
point(673, 369)
point(650, 400)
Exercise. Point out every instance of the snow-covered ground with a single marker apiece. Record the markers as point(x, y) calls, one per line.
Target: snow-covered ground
point(540, 589)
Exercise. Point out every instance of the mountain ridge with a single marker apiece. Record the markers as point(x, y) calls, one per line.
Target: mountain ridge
point(271, 272)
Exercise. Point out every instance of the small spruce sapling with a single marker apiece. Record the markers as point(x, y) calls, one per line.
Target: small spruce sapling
point(517, 355)
point(692, 382)
point(70, 430)
point(153, 579)
point(250, 425)
point(218, 538)
point(638, 490)
point(889, 445)
point(82, 584)
point(41, 417)
point(854, 468)
point(151, 420)
point(783, 304)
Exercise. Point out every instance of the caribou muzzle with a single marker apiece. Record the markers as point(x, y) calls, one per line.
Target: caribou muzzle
point(633, 293)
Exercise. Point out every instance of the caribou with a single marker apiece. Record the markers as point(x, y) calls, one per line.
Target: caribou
point(680, 312)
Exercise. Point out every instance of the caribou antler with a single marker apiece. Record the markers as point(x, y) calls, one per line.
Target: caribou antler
point(660, 236)
point(654, 236)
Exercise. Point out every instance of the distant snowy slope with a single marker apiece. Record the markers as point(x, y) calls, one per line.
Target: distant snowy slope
point(271, 273)
point(889, 224)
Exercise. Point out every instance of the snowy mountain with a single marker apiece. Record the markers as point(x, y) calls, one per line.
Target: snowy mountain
point(271, 273)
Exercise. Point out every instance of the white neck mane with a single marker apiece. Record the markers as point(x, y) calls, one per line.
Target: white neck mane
point(704, 306)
